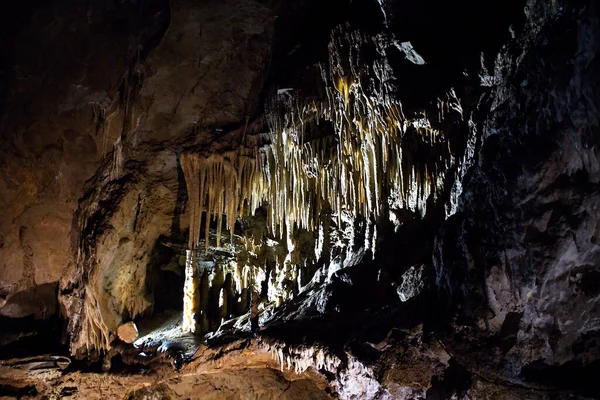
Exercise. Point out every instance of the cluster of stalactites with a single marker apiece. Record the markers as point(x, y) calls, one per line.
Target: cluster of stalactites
point(300, 358)
point(375, 153)
point(375, 150)
point(228, 184)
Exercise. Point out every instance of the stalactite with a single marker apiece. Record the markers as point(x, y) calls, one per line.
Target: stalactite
point(229, 184)
point(300, 358)
point(375, 151)
point(372, 156)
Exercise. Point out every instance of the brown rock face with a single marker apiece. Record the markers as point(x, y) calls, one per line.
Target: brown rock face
point(205, 70)
point(186, 86)
point(51, 142)
point(249, 373)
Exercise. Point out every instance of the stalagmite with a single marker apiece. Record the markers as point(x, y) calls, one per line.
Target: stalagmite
point(223, 304)
point(189, 294)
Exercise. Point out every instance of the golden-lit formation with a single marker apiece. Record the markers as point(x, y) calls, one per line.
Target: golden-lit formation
point(364, 155)
point(227, 184)
point(373, 152)
point(190, 295)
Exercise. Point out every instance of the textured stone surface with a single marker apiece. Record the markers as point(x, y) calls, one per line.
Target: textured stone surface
point(248, 373)
point(523, 263)
point(138, 186)
point(50, 142)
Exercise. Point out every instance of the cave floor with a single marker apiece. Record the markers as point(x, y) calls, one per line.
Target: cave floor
point(164, 330)
point(242, 370)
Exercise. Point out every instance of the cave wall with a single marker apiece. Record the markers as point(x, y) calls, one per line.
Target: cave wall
point(64, 66)
point(94, 115)
point(177, 97)
point(520, 256)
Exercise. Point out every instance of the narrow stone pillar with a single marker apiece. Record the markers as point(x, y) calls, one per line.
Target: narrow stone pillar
point(222, 305)
point(242, 305)
point(189, 292)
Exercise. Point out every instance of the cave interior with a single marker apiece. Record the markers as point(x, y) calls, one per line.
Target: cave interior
point(290, 199)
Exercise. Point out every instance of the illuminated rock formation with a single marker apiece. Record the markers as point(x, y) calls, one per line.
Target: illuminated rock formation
point(229, 184)
point(374, 157)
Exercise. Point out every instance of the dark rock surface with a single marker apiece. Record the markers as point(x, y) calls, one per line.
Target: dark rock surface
point(519, 258)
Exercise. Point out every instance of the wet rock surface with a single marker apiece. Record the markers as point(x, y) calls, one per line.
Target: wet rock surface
point(424, 220)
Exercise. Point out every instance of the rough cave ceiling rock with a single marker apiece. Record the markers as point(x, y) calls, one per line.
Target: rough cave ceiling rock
point(410, 190)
